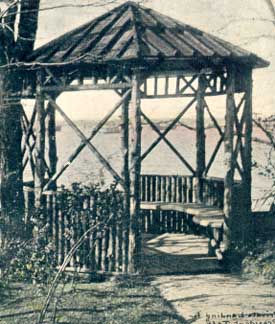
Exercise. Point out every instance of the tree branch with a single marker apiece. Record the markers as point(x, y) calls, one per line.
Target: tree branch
point(27, 27)
point(271, 8)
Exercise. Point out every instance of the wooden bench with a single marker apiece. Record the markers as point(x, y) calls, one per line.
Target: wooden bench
point(201, 214)
point(208, 218)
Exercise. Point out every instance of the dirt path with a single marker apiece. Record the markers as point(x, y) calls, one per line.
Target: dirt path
point(202, 291)
point(215, 294)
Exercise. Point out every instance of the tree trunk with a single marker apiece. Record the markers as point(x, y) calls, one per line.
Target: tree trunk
point(11, 177)
point(13, 49)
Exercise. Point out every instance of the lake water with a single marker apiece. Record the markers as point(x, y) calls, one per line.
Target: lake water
point(162, 160)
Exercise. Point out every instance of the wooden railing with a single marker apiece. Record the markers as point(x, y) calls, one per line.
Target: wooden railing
point(177, 188)
point(103, 249)
point(106, 248)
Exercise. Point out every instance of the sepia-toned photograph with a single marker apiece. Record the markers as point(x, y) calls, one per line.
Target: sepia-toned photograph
point(137, 162)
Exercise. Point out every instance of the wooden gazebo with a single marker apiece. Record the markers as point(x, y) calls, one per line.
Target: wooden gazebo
point(128, 50)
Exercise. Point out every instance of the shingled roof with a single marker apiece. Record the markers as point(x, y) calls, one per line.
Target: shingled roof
point(134, 33)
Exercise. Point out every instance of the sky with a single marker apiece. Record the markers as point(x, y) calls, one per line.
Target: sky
point(243, 22)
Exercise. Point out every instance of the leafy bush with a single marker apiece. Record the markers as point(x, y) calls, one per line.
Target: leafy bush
point(27, 261)
point(260, 262)
point(34, 260)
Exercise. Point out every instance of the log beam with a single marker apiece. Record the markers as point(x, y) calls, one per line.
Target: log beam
point(135, 168)
point(51, 135)
point(40, 142)
point(200, 138)
point(247, 156)
point(228, 158)
point(126, 178)
point(86, 87)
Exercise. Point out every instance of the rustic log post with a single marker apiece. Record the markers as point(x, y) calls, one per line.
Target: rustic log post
point(51, 135)
point(247, 156)
point(228, 158)
point(135, 167)
point(40, 142)
point(200, 138)
point(126, 178)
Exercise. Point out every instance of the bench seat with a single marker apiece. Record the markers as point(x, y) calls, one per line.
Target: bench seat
point(201, 214)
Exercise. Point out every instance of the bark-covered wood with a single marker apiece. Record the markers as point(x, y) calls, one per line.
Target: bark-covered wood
point(247, 158)
point(11, 190)
point(228, 158)
point(126, 178)
point(200, 137)
point(39, 178)
point(13, 49)
point(51, 135)
point(135, 167)
point(28, 21)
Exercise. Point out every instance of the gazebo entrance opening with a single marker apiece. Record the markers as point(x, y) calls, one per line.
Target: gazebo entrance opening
point(140, 55)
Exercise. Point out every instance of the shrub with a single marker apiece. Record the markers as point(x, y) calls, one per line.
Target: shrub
point(27, 261)
point(260, 262)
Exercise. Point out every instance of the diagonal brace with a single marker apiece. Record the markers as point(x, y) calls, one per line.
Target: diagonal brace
point(163, 134)
point(154, 127)
point(83, 143)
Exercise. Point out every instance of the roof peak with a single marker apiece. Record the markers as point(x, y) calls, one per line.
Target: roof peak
point(131, 32)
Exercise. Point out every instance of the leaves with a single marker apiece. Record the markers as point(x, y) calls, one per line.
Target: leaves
point(260, 262)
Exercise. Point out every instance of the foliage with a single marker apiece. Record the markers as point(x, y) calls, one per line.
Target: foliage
point(89, 204)
point(267, 126)
point(34, 260)
point(260, 262)
point(27, 261)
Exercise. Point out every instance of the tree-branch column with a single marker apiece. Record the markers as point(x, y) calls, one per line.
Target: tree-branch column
point(39, 178)
point(135, 168)
point(126, 178)
point(200, 137)
point(247, 158)
point(228, 158)
point(51, 135)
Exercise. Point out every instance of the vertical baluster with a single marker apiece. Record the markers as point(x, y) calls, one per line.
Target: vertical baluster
point(188, 187)
point(153, 188)
point(112, 266)
point(65, 233)
point(61, 231)
point(149, 188)
point(155, 86)
point(49, 216)
point(170, 188)
point(120, 245)
point(55, 228)
point(93, 221)
point(179, 197)
point(106, 243)
point(143, 186)
point(159, 188)
point(167, 85)
point(99, 248)
point(86, 227)
point(184, 190)
point(174, 199)
point(163, 190)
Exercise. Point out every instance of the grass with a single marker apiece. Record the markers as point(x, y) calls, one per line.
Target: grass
point(125, 301)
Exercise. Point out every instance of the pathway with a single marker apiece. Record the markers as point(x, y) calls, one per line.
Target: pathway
point(207, 293)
